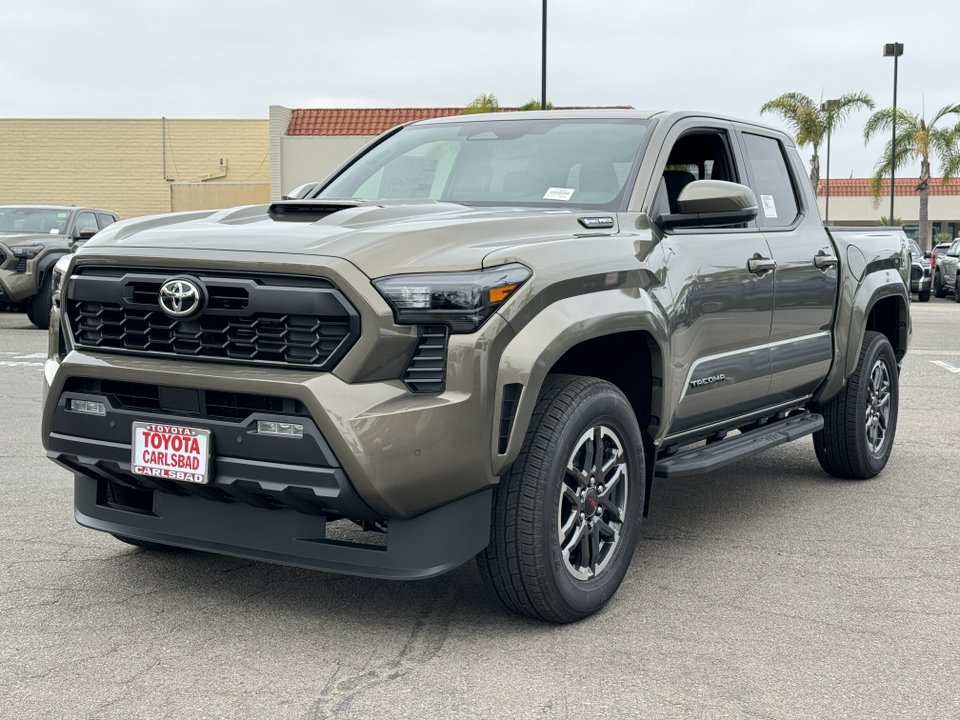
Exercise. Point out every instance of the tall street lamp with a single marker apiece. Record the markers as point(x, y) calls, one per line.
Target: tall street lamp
point(894, 50)
point(543, 63)
point(827, 107)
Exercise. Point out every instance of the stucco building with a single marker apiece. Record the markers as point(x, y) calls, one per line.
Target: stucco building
point(852, 204)
point(135, 167)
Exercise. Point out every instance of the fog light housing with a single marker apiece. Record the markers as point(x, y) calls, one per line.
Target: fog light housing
point(88, 407)
point(279, 429)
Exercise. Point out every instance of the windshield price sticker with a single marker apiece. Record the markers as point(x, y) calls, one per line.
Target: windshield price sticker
point(171, 452)
point(558, 194)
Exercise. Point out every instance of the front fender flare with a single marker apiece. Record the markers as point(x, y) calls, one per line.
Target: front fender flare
point(562, 325)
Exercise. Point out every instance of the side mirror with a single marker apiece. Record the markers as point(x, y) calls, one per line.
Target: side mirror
point(86, 233)
point(927, 255)
point(712, 202)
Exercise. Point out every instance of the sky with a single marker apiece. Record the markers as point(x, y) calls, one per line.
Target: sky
point(215, 59)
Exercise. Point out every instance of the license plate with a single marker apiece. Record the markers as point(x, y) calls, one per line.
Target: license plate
point(171, 452)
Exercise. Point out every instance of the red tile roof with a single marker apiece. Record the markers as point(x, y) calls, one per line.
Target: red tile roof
point(373, 121)
point(860, 187)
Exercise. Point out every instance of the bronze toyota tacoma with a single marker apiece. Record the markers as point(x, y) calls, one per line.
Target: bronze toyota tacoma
point(481, 336)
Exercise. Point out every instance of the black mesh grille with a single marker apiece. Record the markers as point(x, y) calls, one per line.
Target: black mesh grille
point(426, 371)
point(245, 319)
point(915, 273)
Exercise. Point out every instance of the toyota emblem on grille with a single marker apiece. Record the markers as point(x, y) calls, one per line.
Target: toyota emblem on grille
point(180, 297)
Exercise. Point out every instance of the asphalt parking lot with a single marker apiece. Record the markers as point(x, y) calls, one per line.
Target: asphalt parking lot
point(766, 590)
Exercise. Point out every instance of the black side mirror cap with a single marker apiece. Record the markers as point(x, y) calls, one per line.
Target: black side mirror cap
point(711, 203)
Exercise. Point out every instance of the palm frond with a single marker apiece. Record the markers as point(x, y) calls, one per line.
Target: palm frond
point(844, 105)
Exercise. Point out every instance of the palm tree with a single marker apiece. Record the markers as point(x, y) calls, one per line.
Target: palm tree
point(916, 139)
point(811, 124)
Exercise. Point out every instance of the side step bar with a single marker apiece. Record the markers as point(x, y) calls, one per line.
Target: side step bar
point(739, 447)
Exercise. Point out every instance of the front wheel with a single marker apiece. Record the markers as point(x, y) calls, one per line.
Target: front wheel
point(938, 289)
point(956, 289)
point(567, 516)
point(42, 304)
point(924, 295)
point(859, 424)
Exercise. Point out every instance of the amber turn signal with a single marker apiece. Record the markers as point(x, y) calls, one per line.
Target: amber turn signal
point(499, 294)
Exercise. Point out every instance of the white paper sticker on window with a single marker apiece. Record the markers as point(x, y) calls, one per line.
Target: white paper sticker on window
point(769, 207)
point(558, 194)
point(54, 231)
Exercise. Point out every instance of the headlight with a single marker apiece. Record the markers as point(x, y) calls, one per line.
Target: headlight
point(59, 273)
point(27, 251)
point(461, 300)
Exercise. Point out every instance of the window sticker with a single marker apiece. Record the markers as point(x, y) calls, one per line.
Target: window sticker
point(54, 231)
point(62, 215)
point(769, 206)
point(559, 194)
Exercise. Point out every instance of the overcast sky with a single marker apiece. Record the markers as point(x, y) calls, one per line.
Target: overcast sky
point(207, 58)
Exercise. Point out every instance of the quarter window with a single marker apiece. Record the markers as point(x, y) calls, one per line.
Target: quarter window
point(776, 194)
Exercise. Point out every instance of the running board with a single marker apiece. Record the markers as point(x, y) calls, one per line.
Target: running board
point(739, 447)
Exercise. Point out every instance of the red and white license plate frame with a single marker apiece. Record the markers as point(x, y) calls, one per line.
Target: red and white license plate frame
point(171, 452)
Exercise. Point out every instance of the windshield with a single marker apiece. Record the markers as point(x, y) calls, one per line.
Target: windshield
point(915, 250)
point(48, 221)
point(532, 162)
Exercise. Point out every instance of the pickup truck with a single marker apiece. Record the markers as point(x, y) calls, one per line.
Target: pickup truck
point(481, 336)
point(32, 239)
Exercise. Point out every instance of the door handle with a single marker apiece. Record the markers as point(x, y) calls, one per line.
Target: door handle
point(759, 264)
point(822, 260)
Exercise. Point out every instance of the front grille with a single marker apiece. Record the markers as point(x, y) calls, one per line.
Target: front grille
point(915, 273)
point(263, 320)
point(426, 371)
point(3, 257)
point(185, 401)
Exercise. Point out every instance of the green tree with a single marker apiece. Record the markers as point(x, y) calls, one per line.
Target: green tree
point(882, 222)
point(810, 124)
point(916, 139)
point(481, 104)
point(534, 104)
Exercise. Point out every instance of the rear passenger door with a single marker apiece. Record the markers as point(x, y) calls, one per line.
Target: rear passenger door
point(805, 278)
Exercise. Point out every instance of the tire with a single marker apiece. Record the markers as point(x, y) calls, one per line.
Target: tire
point(42, 303)
point(540, 505)
point(938, 289)
point(924, 295)
point(956, 289)
point(860, 423)
point(146, 544)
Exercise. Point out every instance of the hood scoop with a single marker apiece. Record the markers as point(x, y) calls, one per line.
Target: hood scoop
point(309, 211)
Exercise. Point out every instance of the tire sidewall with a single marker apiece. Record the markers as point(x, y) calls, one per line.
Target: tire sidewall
point(880, 348)
point(610, 409)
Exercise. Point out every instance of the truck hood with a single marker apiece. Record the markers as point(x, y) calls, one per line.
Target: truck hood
point(380, 238)
point(31, 239)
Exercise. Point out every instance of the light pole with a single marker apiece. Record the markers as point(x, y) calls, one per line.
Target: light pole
point(827, 107)
point(543, 63)
point(894, 50)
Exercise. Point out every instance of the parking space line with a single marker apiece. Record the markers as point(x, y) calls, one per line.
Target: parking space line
point(946, 366)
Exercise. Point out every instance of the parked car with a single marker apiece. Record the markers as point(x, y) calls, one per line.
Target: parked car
point(948, 269)
point(919, 273)
point(32, 239)
point(936, 260)
point(484, 336)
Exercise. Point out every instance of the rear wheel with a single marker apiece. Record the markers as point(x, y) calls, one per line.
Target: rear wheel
point(956, 289)
point(860, 423)
point(924, 295)
point(567, 516)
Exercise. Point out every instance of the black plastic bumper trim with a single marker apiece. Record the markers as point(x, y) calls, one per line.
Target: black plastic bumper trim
point(426, 546)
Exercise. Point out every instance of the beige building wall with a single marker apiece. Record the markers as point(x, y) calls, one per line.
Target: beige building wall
point(309, 158)
point(119, 164)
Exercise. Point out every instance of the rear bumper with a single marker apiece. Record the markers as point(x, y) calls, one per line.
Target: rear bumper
point(428, 545)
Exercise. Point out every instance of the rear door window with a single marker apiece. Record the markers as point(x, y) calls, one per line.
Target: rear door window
point(773, 183)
